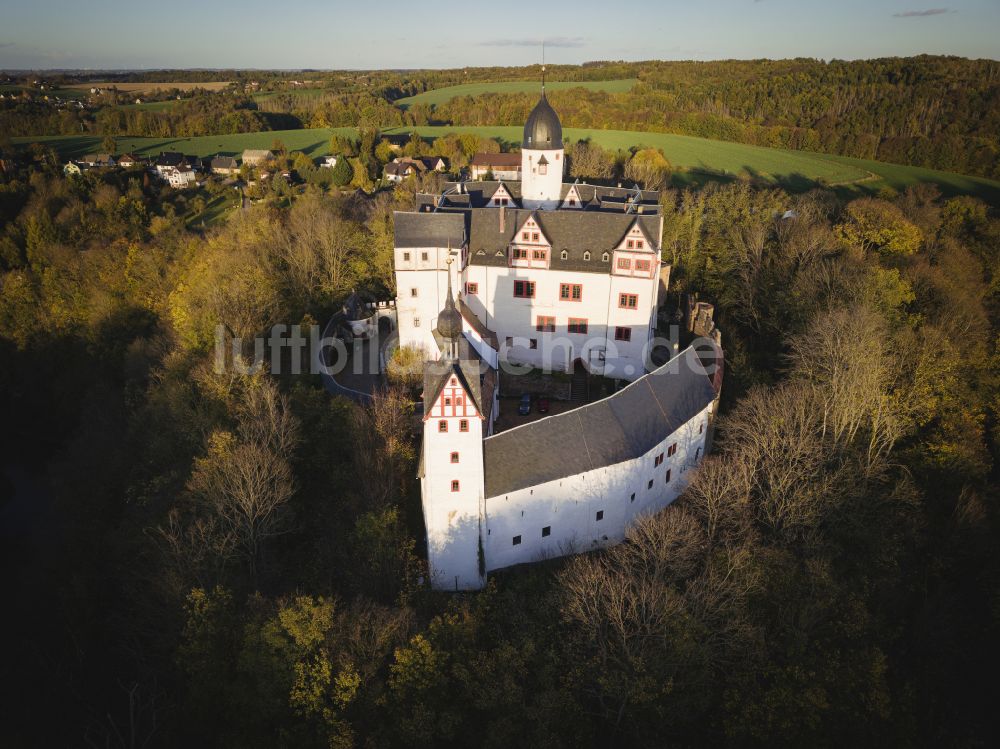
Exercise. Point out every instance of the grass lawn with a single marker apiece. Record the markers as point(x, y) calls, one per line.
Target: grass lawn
point(696, 159)
point(216, 210)
point(441, 95)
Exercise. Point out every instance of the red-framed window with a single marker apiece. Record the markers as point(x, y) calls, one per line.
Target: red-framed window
point(447, 401)
point(630, 244)
point(524, 289)
point(624, 263)
point(577, 325)
point(545, 324)
point(639, 244)
point(472, 288)
point(526, 236)
point(642, 266)
point(455, 486)
point(571, 292)
point(538, 254)
point(458, 400)
point(628, 301)
point(534, 236)
point(454, 457)
point(463, 425)
point(519, 254)
point(623, 334)
point(442, 426)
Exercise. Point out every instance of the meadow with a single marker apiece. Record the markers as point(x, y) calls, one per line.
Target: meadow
point(694, 159)
point(441, 95)
point(139, 88)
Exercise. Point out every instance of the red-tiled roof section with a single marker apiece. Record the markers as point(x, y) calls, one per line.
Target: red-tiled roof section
point(496, 159)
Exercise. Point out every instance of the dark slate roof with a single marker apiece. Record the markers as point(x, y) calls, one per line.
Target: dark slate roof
point(543, 129)
point(224, 162)
point(478, 193)
point(466, 368)
point(621, 427)
point(429, 229)
point(477, 325)
point(169, 158)
point(575, 232)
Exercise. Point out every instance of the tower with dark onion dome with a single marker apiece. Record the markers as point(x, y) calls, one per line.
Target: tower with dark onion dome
point(542, 157)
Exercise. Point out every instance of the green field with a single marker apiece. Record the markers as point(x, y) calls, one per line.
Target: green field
point(442, 95)
point(695, 159)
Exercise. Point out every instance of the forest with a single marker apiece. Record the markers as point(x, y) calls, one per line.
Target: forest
point(206, 558)
point(927, 111)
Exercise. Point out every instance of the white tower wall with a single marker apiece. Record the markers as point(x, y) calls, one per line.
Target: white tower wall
point(541, 184)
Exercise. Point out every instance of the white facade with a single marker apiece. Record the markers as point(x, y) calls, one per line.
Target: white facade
point(551, 283)
point(541, 183)
point(452, 488)
point(586, 511)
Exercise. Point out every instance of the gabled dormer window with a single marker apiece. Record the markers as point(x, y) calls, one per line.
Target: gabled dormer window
point(586, 255)
point(564, 255)
point(605, 257)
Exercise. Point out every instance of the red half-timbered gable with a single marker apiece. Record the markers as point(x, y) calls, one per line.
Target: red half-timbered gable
point(530, 248)
point(635, 255)
point(453, 402)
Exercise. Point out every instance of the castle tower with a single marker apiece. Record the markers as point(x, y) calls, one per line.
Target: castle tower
point(452, 477)
point(542, 157)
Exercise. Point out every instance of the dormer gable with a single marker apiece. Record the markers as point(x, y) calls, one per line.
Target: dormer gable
point(636, 240)
point(530, 248)
point(502, 197)
point(572, 199)
point(530, 233)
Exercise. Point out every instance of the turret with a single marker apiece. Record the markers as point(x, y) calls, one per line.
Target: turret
point(452, 475)
point(542, 157)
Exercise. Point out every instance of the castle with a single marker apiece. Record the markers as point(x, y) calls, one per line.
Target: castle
point(562, 278)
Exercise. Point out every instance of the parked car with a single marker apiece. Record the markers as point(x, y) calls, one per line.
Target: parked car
point(524, 407)
point(542, 404)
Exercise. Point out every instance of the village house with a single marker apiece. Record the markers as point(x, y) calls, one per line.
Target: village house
point(257, 157)
point(129, 160)
point(180, 176)
point(502, 166)
point(98, 160)
point(225, 165)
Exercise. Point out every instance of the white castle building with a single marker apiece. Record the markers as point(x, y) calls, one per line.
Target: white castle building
point(558, 277)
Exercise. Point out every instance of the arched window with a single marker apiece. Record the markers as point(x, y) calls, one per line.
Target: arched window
point(564, 255)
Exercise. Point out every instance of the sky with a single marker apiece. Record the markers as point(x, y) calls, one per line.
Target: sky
point(292, 34)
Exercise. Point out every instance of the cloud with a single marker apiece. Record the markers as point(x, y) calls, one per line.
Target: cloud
point(922, 13)
point(6, 44)
point(557, 41)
